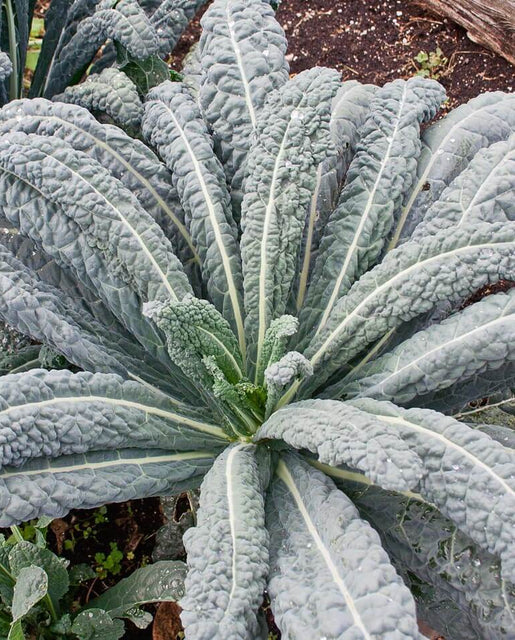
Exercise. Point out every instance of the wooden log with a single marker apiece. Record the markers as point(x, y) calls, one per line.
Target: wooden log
point(490, 23)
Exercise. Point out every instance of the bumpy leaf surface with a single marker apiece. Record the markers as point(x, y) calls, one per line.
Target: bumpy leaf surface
point(54, 487)
point(122, 21)
point(52, 413)
point(170, 19)
point(293, 137)
point(113, 219)
point(194, 331)
point(479, 338)
point(483, 191)
point(110, 92)
point(101, 241)
point(379, 175)
point(411, 280)
point(242, 51)
point(173, 124)
point(349, 110)
point(447, 148)
point(330, 577)
point(129, 160)
point(6, 66)
point(468, 476)
point(340, 434)
point(424, 543)
point(227, 550)
point(47, 315)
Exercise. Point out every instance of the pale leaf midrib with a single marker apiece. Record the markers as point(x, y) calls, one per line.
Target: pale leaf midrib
point(420, 182)
point(263, 269)
point(232, 522)
point(453, 340)
point(470, 247)
point(452, 445)
point(364, 216)
point(241, 68)
point(485, 183)
point(284, 474)
point(148, 186)
point(111, 205)
point(233, 292)
point(92, 466)
point(119, 402)
point(132, 230)
point(226, 351)
point(306, 260)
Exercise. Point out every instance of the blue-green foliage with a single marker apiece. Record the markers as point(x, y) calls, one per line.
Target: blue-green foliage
point(268, 301)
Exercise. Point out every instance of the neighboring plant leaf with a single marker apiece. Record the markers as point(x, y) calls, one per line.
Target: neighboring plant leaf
point(170, 19)
point(31, 586)
point(96, 624)
point(145, 73)
point(55, 20)
point(178, 518)
point(19, 360)
point(159, 582)
point(122, 21)
point(6, 66)
point(25, 554)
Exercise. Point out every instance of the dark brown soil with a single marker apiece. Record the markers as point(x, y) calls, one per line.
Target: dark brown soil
point(377, 41)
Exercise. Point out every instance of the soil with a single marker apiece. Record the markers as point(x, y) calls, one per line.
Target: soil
point(377, 41)
point(371, 41)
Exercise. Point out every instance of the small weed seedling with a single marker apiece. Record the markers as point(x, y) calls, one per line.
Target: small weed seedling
point(430, 65)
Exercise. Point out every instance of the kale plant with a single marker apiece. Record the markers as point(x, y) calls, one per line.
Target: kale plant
point(272, 307)
point(119, 44)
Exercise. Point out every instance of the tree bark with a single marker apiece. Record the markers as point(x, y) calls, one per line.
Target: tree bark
point(490, 23)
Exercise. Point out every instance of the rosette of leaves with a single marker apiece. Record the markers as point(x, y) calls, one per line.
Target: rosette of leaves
point(254, 313)
point(89, 38)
